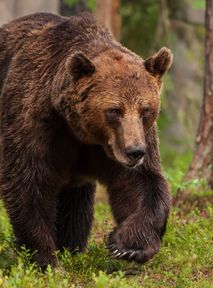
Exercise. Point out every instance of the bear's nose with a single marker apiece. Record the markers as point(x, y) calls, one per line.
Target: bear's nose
point(135, 152)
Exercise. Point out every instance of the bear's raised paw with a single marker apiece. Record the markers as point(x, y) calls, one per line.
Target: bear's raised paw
point(131, 251)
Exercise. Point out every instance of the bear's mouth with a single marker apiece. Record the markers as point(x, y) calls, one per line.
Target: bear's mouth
point(133, 165)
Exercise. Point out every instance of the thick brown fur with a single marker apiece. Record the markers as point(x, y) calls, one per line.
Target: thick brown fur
point(76, 106)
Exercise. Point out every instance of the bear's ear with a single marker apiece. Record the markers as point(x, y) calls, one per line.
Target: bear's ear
point(159, 63)
point(79, 66)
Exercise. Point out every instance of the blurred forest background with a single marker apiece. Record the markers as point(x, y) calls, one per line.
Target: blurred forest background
point(144, 26)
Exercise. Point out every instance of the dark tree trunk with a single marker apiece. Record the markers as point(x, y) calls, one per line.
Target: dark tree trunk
point(202, 163)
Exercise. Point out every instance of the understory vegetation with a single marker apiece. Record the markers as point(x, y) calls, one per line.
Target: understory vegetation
point(185, 260)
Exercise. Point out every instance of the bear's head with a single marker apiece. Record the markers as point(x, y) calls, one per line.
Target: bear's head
point(113, 100)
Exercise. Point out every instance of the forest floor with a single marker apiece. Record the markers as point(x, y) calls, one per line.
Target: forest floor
point(185, 259)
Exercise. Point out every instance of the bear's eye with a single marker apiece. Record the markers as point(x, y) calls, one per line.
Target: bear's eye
point(114, 112)
point(146, 112)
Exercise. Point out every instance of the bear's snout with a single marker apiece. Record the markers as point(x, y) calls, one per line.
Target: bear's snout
point(135, 153)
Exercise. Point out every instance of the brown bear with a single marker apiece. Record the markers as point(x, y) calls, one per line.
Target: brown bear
point(76, 106)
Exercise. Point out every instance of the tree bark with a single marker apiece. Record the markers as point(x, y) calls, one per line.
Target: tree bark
point(107, 13)
point(202, 163)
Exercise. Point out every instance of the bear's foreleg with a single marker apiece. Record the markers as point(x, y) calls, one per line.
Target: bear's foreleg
point(75, 217)
point(140, 204)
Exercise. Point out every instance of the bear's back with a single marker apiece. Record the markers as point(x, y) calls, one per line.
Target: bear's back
point(14, 34)
point(20, 28)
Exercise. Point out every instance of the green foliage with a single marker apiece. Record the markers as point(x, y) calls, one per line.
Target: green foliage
point(139, 22)
point(71, 2)
point(91, 4)
point(114, 280)
point(198, 4)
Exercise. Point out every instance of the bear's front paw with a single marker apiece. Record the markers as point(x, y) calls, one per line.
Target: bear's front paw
point(44, 260)
point(133, 247)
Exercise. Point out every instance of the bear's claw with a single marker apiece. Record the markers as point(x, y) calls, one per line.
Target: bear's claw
point(123, 254)
point(131, 255)
point(139, 255)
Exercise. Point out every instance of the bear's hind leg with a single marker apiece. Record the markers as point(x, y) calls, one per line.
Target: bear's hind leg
point(74, 217)
point(32, 215)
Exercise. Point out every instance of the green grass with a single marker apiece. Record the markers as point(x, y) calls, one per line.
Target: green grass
point(185, 260)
